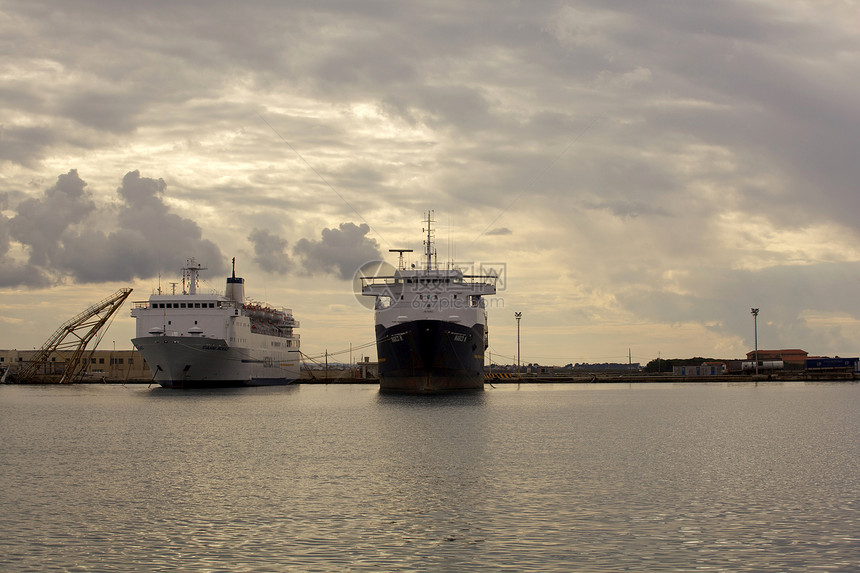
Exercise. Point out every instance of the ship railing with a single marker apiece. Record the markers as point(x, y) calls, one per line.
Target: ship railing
point(468, 280)
point(430, 276)
point(483, 279)
point(145, 304)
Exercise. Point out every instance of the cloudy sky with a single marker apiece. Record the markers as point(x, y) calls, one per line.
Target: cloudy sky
point(644, 172)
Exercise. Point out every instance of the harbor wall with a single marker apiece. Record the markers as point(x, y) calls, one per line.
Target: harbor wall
point(129, 367)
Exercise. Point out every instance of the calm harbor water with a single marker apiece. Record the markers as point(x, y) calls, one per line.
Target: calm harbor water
point(568, 477)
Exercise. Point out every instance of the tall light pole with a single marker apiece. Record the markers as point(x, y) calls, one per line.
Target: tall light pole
point(518, 316)
point(754, 312)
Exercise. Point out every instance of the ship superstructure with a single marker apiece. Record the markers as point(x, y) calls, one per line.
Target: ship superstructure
point(431, 325)
point(194, 339)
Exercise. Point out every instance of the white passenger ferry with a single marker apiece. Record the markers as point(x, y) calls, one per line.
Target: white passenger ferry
point(194, 339)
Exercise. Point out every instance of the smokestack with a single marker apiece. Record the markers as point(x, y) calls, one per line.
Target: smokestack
point(235, 286)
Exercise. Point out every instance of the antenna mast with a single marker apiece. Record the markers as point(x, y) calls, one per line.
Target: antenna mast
point(429, 251)
point(192, 273)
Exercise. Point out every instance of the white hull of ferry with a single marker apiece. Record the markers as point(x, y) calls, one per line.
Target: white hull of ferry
point(193, 339)
point(186, 362)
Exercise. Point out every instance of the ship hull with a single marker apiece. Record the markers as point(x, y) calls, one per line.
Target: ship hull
point(196, 362)
point(430, 357)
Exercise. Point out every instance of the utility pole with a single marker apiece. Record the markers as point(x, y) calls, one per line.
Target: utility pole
point(754, 312)
point(518, 316)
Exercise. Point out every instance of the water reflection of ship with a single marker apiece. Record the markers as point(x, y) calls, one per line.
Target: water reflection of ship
point(203, 340)
point(431, 325)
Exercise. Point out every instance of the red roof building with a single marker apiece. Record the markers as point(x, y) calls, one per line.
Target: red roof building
point(790, 356)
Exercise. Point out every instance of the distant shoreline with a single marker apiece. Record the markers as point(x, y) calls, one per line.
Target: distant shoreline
point(602, 378)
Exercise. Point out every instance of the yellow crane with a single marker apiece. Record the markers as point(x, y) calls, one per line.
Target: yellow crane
point(75, 335)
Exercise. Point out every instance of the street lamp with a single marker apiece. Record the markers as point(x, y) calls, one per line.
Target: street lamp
point(518, 316)
point(754, 312)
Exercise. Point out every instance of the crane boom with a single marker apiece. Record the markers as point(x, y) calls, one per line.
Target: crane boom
point(75, 335)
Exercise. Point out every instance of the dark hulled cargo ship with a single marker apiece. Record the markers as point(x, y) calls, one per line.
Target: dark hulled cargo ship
point(431, 326)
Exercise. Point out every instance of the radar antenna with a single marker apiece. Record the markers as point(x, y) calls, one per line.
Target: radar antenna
point(400, 260)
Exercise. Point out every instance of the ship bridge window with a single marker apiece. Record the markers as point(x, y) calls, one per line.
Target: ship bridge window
point(182, 305)
point(196, 305)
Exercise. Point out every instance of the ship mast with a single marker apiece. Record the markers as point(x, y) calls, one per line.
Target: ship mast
point(429, 251)
point(192, 273)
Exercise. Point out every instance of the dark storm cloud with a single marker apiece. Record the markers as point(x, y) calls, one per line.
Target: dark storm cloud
point(784, 98)
point(270, 251)
point(61, 232)
point(42, 223)
point(15, 273)
point(103, 111)
point(446, 64)
point(149, 238)
point(24, 145)
point(340, 251)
